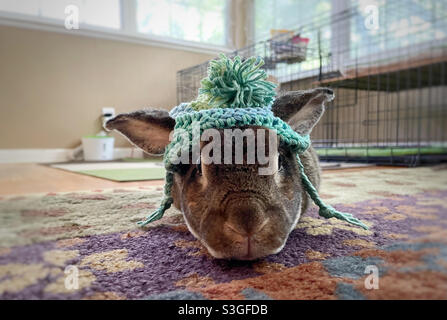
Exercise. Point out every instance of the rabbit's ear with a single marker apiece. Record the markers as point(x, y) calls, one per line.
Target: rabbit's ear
point(148, 129)
point(302, 109)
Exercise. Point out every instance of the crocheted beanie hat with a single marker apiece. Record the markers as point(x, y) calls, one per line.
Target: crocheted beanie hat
point(234, 94)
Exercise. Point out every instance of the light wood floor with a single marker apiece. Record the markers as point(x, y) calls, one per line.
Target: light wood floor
point(26, 178)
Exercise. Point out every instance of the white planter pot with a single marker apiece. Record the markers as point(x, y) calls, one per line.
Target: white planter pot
point(97, 148)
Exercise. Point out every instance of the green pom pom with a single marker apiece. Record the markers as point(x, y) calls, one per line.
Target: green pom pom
point(235, 84)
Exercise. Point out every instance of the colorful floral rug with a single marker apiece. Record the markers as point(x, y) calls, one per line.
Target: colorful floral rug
point(47, 241)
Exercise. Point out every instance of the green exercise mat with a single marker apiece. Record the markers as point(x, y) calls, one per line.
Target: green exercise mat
point(379, 152)
point(117, 170)
point(138, 174)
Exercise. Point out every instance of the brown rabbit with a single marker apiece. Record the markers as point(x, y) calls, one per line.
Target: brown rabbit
point(234, 211)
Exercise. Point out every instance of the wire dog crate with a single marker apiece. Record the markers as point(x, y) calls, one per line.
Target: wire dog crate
point(389, 80)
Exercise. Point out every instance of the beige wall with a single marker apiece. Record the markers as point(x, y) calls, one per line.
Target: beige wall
point(53, 86)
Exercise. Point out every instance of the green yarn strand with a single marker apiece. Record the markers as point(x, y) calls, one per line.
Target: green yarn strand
point(166, 202)
point(326, 210)
point(154, 216)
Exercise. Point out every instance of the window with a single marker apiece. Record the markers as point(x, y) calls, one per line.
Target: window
point(401, 24)
point(285, 14)
point(193, 20)
point(102, 13)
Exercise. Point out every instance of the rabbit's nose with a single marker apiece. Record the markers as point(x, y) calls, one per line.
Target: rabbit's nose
point(245, 231)
point(245, 245)
point(246, 219)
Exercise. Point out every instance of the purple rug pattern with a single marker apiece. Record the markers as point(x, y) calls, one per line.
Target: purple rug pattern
point(323, 259)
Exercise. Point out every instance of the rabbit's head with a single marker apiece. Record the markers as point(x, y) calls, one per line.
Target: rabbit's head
point(235, 211)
